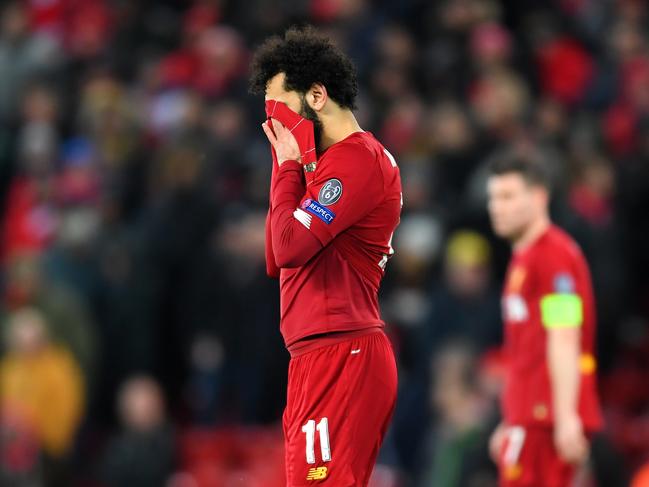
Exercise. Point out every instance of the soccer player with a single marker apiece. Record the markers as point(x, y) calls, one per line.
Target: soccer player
point(335, 202)
point(550, 403)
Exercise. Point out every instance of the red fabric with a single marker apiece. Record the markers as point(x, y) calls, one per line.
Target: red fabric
point(624, 388)
point(89, 27)
point(295, 246)
point(566, 69)
point(222, 58)
point(325, 10)
point(590, 205)
point(200, 17)
point(547, 266)
point(635, 82)
point(250, 456)
point(619, 127)
point(46, 16)
point(272, 270)
point(330, 247)
point(178, 68)
point(29, 224)
point(299, 126)
point(209, 64)
point(537, 462)
point(354, 385)
point(336, 290)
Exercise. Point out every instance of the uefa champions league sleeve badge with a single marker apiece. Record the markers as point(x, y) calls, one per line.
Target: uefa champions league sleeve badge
point(330, 192)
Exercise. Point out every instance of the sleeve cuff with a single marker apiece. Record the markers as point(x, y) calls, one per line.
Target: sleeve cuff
point(290, 164)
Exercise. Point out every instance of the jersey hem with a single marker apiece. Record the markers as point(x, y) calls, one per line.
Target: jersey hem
point(309, 343)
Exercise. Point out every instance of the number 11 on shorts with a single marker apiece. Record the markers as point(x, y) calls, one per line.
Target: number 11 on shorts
point(325, 449)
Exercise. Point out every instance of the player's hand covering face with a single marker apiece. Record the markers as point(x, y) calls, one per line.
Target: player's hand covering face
point(290, 134)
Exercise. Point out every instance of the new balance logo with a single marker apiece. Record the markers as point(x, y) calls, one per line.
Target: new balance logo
point(303, 217)
point(318, 473)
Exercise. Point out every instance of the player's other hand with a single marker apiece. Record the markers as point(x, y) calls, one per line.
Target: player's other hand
point(570, 441)
point(282, 140)
point(496, 442)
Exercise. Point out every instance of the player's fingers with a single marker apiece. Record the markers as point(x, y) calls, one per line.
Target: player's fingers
point(269, 123)
point(584, 450)
point(580, 456)
point(586, 455)
point(495, 445)
point(284, 135)
point(567, 454)
point(269, 133)
point(574, 451)
point(277, 125)
point(278, 128)
point(268, 128)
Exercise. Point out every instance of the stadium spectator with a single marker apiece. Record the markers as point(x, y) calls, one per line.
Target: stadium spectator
point(142, 453)
point(41, 381)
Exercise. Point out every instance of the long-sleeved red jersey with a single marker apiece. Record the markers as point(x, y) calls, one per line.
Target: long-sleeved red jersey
point(329, 234)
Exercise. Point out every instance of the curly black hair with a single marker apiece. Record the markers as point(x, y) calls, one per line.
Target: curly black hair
point(306, 57)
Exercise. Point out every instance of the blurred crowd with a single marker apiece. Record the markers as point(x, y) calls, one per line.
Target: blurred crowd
point(140, 341)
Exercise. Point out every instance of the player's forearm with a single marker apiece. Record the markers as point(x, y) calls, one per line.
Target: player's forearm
point(563, 362)
point(273, 175)
point(293, 244)
point(272, 270)
point(287, 185)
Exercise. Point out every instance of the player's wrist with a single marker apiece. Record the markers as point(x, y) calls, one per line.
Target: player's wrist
point(297, 159)
point(291, 163)
point(567, 418)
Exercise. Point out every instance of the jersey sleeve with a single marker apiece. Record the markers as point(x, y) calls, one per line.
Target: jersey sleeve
point(562, 305)
point(272, 269)
point(292, 245)
point(346, 188)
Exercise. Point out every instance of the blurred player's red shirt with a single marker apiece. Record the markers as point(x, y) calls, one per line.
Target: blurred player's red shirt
point(352, 202)
point(551, 265)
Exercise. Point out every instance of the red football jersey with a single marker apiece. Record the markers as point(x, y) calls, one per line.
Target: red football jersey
point(351, 204)
point(550, 270)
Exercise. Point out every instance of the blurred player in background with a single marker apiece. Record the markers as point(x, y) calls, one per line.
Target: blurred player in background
point(335, 201)
point(550, 403)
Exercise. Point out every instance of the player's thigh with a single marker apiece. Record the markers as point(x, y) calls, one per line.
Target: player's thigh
point(555, 471)
point(529, 459)
point(340, 401)
point(373, 396)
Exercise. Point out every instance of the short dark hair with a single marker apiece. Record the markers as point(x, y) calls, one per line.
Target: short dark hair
point(533, 171)
point(306, 57)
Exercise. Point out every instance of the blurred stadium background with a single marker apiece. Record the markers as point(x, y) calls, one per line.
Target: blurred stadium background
point(140, 333)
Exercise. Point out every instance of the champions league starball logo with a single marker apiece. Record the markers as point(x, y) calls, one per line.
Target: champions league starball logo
point(330, 192)
point(306, 203)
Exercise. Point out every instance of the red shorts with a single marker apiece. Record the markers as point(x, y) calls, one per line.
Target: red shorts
point(529, 459)
point(340, 400)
